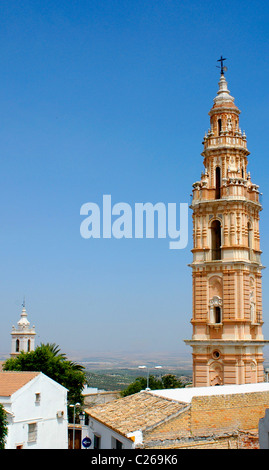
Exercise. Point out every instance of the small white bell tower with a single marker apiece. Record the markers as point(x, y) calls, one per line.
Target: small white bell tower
point(23, 337)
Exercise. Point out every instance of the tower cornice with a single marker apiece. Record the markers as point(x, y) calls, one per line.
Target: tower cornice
point(222, 342)
point(227, 108)
point(215, 148)
point(224, 263)
point(228, 202)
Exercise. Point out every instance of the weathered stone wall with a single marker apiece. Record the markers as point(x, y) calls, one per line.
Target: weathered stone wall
point(219, 421)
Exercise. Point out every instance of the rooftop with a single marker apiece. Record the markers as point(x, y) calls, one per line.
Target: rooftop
point(146, 409)
point(11, 381)
point(135, 412)
point(185, 395)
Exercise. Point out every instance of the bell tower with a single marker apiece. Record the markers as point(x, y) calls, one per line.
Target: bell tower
point(227, 339)
point(23, 337)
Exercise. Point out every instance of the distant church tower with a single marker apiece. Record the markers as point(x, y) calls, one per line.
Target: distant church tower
point(227, 339)
point(23, 337)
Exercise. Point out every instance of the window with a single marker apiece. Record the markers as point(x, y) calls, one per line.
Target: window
point(29, 345)
point(249, 235)
point(17, 345)
point(217, 314)
point(115, 443)
point(97, 441)
point(249, 229)
point(216, 240)
point(37, 397)
point(216, 354)
point(32, 432)
point(219, 126)
point(215, 310)
point(217, 195)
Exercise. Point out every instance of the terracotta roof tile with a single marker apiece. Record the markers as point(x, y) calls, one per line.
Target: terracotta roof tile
point(135, 412)
point(11, 381)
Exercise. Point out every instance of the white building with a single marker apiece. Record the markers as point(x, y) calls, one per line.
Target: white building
point(36, 409)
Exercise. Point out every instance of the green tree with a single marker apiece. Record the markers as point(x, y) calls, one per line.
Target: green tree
point(171, 381)
point(3, 426)
point(55, 349)
point(140, 383)
point(48, 359)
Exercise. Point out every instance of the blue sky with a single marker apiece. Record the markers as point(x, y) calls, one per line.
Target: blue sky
point(112, 97)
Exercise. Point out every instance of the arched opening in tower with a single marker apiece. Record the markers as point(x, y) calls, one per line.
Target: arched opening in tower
point(216, 240)
point(217, 195)
point(217, 313)
point(219, 126)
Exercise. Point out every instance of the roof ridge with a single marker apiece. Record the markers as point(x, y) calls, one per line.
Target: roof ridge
point(22, 371)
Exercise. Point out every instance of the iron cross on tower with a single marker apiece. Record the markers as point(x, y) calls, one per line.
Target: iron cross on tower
point(222, 68)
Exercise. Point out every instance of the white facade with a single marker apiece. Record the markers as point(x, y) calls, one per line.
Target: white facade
point(103, 437)
point(37, 415)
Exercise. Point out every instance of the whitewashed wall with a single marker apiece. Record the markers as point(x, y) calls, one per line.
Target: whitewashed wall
point(52, 432)
point(106, 435)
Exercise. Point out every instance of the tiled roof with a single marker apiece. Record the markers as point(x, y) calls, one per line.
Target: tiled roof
point(135, 412)
point(11, 381)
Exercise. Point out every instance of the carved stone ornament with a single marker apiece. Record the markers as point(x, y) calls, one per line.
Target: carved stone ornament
point(216, 301)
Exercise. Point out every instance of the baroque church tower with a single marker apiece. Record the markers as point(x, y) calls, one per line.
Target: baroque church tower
point(22, 337)
point(227, 339)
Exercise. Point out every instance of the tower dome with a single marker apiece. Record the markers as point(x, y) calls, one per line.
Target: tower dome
point(223, 94)
point(23, 322)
